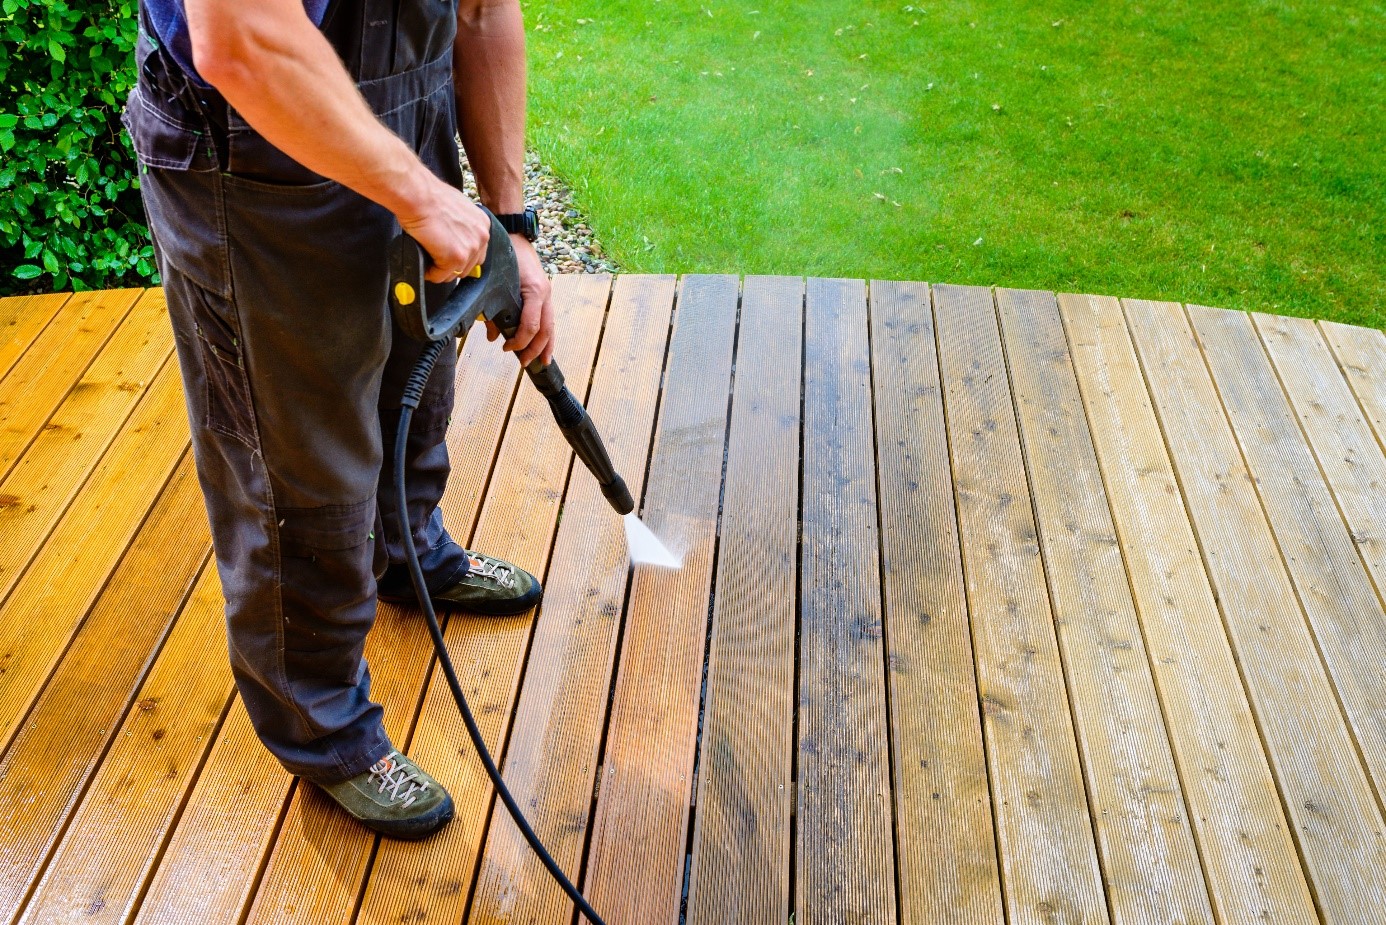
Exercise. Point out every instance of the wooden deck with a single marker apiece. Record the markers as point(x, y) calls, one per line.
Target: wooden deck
point(997, 607)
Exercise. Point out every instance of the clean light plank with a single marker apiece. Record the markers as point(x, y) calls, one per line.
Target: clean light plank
point(1351, 459)
point(1150, 863)
point(1361, 353)
point(551, 761)
point(58, 748)
point(1248, 854)
point(302, 883)
point(48, 604)
point(54, 362)
point(265, 828)
point(940, 772)
point(1326, 792)
point(34, 495)
point(640, 828)
point(1334, 587)
point(1049, 863)
point(740, 863)
point(99, 872)
point(517, 523)
point(22, 319)
point(92, 407)
point(844, 850)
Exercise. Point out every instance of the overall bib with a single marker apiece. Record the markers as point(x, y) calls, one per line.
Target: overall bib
point(276, 286)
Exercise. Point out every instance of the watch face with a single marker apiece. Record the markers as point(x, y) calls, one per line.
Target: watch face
point(531, 224)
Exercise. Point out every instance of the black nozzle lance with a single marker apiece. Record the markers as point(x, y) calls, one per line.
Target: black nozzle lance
point(495, 295)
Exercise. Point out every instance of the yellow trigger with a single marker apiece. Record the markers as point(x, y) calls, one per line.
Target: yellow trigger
point(404, 293)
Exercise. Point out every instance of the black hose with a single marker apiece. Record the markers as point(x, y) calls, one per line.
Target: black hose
point(413, 393)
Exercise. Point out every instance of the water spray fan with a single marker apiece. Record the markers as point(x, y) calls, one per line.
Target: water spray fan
point(492, 294)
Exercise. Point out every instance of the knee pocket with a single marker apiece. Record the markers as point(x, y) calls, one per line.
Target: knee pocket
point(326, 581)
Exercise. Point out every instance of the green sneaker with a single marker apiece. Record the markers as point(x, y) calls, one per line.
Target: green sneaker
point(395, 798)
point(491, 586)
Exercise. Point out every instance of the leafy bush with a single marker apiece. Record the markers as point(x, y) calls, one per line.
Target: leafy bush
point(70, 215)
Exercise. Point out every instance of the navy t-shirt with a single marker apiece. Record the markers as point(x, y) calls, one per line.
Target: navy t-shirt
point(171, 27)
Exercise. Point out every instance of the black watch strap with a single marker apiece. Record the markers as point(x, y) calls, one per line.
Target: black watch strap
point(525, 223)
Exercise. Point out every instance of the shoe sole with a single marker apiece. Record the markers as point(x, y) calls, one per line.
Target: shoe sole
point(500, 609)
point(420, 827)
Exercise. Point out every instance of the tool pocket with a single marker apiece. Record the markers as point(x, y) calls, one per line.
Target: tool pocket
point(178, 183)
point(228, 404)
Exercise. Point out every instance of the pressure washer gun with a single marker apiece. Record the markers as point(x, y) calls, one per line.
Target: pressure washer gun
point(494, 295)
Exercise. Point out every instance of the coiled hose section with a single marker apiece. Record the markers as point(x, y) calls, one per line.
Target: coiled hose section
point(413, 394)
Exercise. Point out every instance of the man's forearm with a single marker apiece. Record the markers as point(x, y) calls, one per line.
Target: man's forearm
point(270, 63)
point(489, 77)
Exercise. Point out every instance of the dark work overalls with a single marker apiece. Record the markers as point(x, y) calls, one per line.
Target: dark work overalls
point(276, 287)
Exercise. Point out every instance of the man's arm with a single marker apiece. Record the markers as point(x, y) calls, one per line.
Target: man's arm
point(267, 58)
point(489, 77)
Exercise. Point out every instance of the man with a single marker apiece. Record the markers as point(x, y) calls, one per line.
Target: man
point(282, 144)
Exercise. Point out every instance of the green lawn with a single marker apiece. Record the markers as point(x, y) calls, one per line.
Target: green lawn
point(1225, 153)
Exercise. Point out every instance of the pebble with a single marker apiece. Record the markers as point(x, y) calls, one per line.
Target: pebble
point(566, 243)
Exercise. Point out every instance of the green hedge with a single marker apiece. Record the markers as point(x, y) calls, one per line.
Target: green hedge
point(70, 215)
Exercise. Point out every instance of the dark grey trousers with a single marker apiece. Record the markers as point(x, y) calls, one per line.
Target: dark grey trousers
point(276, 287)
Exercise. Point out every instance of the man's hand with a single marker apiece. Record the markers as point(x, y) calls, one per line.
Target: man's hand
point(535, 335)
point(453, 231)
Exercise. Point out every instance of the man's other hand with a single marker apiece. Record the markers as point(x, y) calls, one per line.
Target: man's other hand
point(451, 228)
point(535, 335)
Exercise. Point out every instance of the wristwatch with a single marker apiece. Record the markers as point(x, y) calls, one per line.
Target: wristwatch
point(525, 223)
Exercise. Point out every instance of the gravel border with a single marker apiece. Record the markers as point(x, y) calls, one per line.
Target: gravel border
point(566, 243)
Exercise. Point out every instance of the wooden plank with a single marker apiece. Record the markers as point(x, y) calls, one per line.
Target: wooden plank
point(1361, 354)
point(1049, 861)
point(22, 319)
point(99, 871)
point(1248, 855)
point(1351, 459)
point(432, 878)
point(44, 482)
point(946, 843)
point(1334, 589)
point(248, 806)
point(1149, 860)
point(741, 835)
point(551, 761)
point(51, 600)
point(640, 831)
point(1326, 793)
point(55, 362)
point(103, 395)
point(302, 883)
point(844, 849)
point(56, 751)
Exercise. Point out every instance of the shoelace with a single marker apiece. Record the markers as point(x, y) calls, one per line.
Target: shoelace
point(482, 567)
point(398, 776)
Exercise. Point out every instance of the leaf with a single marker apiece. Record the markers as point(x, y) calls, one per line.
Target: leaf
point(26, 270)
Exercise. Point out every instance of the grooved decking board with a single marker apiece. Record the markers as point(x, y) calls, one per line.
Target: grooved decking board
point(845, 862)
point(940, 772)
point(1327, 795)
point(1348, 454)
point(102, 395)
point(550, 762)
point(1247, 851)
point(640, 830)
point(244, 801)
point(1149, 861)
point(1361, 353)
point(51, 600)
point(431, 880)
point(303, 883)
point(1334, 587)
point(62, 741)
point(54, 362)
point(22, 319)
point(1049, 864)
point(99, 872)
point(740, 864)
